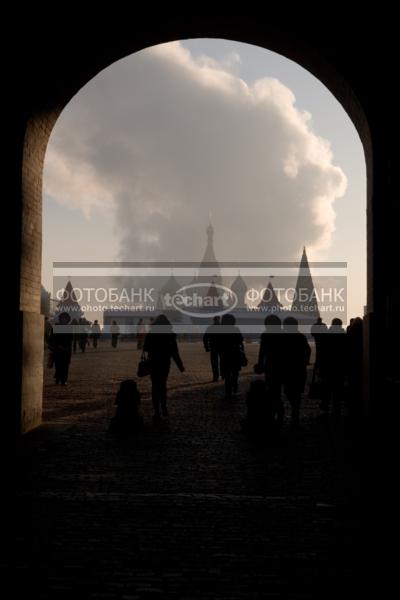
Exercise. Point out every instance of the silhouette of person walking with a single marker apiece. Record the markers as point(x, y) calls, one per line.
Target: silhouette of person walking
point(231, 348)
point(83, 334)
point(319, 387)
point(296, 355)
point(47, 331)
point(140, 333)
point(61, 347)
point(270, 363)
point(114, 334)
point(349, 326)
point(95, 333)
point(335, 367)
point(318, 331)
point(161, 346)
point(211, 345)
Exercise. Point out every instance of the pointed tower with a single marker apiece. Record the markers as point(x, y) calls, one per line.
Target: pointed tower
point(209, 260)
point(305, 301)
point(69, 303)
point(239, 287)
point(269, 302)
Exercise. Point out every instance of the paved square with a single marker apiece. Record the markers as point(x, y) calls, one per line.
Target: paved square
point(190, 508)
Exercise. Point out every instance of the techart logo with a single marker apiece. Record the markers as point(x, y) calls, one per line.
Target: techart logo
point(202, 300)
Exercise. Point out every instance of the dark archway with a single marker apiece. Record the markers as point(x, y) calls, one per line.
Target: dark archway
point(52, 71)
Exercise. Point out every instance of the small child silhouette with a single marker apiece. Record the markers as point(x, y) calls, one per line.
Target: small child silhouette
point(127, 418)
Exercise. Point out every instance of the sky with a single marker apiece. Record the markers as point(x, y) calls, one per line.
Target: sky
point(156, 142)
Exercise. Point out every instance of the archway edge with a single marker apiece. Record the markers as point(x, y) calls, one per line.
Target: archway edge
point(307, 53)
point(63, 76)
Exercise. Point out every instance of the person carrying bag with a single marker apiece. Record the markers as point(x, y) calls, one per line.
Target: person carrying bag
point(144, 366)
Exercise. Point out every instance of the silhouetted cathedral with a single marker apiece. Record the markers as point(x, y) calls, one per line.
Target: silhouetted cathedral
point(207, 282)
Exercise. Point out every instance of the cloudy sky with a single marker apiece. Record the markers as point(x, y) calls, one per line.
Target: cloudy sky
point(157, 141)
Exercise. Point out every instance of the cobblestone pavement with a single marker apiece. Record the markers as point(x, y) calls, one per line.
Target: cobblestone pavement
point(190, 508)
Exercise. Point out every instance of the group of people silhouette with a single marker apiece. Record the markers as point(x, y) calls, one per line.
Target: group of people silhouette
point(338, 366)
point(64, 337)
point(283, 359)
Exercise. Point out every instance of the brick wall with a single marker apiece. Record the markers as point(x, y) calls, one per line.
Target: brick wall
point(37, 135)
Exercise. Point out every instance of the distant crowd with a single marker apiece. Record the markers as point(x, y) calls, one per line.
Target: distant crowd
point(282, 366)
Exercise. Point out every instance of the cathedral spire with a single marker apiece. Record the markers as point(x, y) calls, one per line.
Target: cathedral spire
point(210, 234)
point(269, 302)
point(305, 301)
point(209, 261)
point(68, 303)
point(239, 288)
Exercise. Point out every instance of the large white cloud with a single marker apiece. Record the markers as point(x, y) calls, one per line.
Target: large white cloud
point(160, 139)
